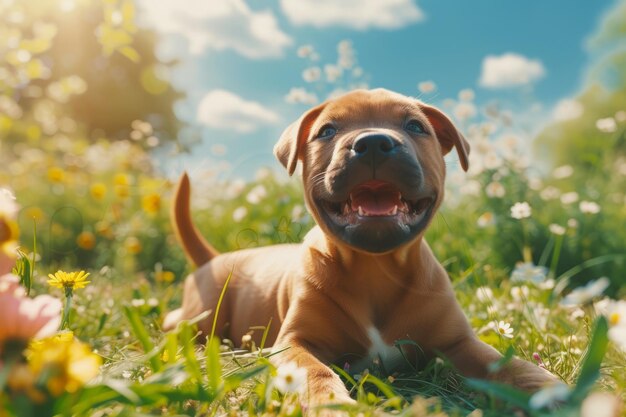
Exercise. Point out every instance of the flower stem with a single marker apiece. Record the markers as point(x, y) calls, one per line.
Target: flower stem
point(65, 322)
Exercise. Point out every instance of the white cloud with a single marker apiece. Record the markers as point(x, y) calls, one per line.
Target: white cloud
point(219, 25)
point(510, 70)
point(223, 109)
point(567, 109)
point(354, 14)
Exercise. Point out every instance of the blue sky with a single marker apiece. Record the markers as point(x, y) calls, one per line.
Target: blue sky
point(239, 60)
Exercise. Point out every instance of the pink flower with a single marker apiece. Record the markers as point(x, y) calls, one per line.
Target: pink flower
point(24, 318)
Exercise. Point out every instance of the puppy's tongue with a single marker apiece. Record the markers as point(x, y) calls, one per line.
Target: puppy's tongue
point(376, 198)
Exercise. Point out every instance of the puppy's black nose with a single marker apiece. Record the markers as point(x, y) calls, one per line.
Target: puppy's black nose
point(372, 144)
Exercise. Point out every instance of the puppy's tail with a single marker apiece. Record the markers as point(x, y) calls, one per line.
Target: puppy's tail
point(198, 250)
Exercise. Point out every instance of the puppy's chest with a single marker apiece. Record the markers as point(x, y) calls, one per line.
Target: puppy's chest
point(379, 352)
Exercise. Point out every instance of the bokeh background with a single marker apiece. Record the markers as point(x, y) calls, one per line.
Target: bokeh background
point(104, 103)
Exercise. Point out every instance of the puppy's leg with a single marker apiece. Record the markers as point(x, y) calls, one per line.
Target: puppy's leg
point(324, 386)
point(472, 358)
point(200, 293)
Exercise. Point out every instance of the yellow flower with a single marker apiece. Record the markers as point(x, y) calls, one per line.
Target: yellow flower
point(98, 190)
point(34, 213)
point(122, 183)
point(56, 174)
point(164, 276)
point(8, 230)
point(73, 280)
point(104, 229)
point(67, 362)
point(86, 240)
point(151, 203)
point(121, 179)
point(133, 245)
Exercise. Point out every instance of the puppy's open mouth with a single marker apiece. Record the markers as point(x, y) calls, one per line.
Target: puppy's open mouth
point(378, 200)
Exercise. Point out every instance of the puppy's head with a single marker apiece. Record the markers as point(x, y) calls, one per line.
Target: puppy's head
point(373, 167)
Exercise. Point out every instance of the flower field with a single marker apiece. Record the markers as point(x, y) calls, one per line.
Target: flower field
point(532, 236)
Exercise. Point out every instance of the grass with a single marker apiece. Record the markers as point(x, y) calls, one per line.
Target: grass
point(149, 372)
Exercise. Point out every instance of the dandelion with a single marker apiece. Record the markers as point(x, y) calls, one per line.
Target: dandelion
point(86, 240)
point(549, 396)
point(583, 295)
point(556, 229)
point(56, 175)
point(9, 231)
point(67, 363)
point(164, 276)
point(503, 328)
point(589, 207)
point(290, 378)
point(133, 245)
point(122, 182)
point(68, 281)
point(572, 223)
point(529, 272)
point(521, 210)
point(151, 203)
point(71, 280)
point(98, 191)
point(495, 190)
point(24, 318)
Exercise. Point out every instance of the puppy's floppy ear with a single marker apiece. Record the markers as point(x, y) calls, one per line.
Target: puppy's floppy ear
point(290, 146)
point(447, 134)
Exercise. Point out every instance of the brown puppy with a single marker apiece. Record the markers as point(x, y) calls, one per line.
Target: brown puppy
point(373, 174)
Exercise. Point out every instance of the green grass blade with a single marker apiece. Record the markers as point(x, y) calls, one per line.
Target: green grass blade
point(507, 393)
point(219, 303)
point(265, 333)
point(593, 359)
point(142, 335)
point(384, 388)
point(213, 365)
point(188, 343)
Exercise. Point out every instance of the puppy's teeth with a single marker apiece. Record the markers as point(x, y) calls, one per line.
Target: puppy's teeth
point(394, 211)
point(346, 209)
point(360, 211)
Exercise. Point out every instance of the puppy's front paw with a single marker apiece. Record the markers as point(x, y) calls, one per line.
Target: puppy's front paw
point(525, 376)
point(330, 405)
point(172, 319)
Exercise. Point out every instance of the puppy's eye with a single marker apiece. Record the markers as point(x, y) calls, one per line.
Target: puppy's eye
point(327, 132)
point(415, 127)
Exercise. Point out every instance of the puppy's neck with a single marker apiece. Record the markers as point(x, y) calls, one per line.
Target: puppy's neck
point(328, 254)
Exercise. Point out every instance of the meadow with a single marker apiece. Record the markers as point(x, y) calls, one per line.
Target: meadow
point(536, 254)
